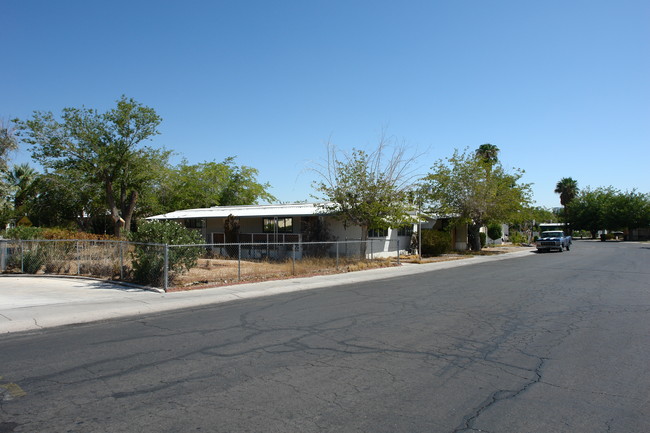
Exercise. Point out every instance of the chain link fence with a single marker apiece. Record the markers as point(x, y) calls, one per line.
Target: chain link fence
point(220, 264)
point(97, 258)
point(169, 266)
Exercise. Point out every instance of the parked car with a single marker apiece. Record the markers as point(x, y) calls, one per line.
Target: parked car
point(553, 240)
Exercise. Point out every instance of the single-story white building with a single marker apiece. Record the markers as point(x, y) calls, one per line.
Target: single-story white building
point(289, 223)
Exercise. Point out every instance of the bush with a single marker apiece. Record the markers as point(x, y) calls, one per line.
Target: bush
point(24, 233)
point(435, 242)
point(483, 237)
point(62, 233)
point(517, 238)
point(27, 233)
point(494, 231)
point(33, 261)
point(149, 260)
point(315, 229)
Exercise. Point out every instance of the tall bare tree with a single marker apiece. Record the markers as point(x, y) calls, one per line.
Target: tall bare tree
point(368, 189)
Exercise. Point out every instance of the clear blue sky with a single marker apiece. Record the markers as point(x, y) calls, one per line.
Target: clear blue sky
point(561, 87)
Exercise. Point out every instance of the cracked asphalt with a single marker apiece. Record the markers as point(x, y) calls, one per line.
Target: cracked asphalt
point(537, 343)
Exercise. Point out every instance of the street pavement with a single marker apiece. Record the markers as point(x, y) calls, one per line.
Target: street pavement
point(38, 302)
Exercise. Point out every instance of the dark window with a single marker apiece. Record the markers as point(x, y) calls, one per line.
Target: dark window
point(278, 225)
point(405, 230)
point(377, 233)
point(193, 223)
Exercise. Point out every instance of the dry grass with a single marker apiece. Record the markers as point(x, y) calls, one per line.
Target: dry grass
point(219, 272)
point(214, 272)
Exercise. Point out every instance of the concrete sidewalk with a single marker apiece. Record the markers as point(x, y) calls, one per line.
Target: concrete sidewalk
point(38, 302)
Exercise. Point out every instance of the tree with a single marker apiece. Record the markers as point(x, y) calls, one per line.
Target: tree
point(568, 189)
point(8, 143)
point(21, 179)
point(103, 148)
point(529, 218)
point(369, 190)
point(627, 210)
point(64, 199)
point(489, 153)
point(588, 209)
point(611, 209)
point(476, 191)
point(211, 184)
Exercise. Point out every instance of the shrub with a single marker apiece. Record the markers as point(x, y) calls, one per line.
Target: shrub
point(316, 230)
point(24, 233)
point(33, 261)
point(62, 233)
point(483, 237)
point(149, 260)
point(517, 238)
point(435, 242)
point(494, 231)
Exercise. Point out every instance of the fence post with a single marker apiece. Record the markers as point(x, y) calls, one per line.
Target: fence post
point(293, 260)
point(238, 262)
point(337, 255)
point(22, 258)
point(398, 252)
point(121, 260)
point(372, 255)
point(3, 256)
point(166, 269)
point(78, 258)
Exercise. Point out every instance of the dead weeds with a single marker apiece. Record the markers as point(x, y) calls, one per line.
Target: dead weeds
point(216, 272)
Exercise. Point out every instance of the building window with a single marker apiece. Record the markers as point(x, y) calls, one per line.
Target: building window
point(278, 225)
point(406, 230)
point(193, 223)
point(377, 233)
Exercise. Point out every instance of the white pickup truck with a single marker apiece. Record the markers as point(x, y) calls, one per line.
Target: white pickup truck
point(553, 240)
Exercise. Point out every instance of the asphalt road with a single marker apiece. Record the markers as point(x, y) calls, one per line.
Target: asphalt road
point(555, 342)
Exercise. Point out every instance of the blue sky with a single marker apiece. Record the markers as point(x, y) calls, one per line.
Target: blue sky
point(561, 87)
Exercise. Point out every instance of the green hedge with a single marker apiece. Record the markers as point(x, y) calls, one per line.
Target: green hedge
point(435, 242)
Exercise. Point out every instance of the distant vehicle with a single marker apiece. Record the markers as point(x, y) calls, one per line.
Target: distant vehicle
point(553, 240)
point(551, 227)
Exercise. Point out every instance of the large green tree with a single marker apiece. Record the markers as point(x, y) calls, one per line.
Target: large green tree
point(588, 209)
point(210, 184)
point(627, 210)
point(367, 189)
point(608, 208)
point(65, 199)
point(104, 148)
point(476, 190)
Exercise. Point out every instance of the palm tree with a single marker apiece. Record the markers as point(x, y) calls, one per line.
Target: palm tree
point(489, 153)
point(568, 189)
point(21, 177)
